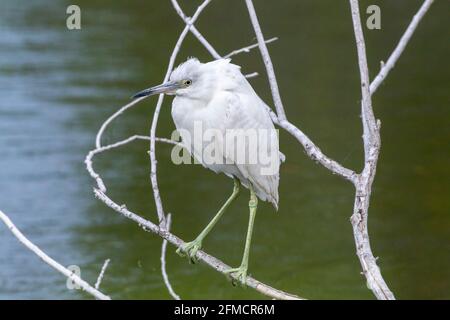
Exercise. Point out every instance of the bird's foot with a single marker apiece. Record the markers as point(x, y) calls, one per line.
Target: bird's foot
point(189, 250)
point(238, 275)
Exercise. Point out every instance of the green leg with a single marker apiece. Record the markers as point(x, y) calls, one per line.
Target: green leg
point(240, 274)
point(190, 249)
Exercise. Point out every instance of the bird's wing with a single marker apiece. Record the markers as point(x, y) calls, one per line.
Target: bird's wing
point(257, 156)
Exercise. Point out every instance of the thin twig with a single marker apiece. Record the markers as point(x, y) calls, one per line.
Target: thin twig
point(371, 138)
point(102, 273)
point(163, 262)
point(248, 48)
point(387, 67)
point(51, 262)
point(105, 124)
point(251, 75)
point(267, 61)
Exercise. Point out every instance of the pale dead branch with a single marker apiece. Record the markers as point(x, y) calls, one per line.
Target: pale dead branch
point(51, 262)
point(247, 49)
point(102, 273)
point(372, 143)
point(387, 67)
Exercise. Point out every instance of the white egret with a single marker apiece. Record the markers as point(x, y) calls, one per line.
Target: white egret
point(217, 96)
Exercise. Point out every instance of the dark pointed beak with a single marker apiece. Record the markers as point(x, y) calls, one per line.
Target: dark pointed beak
point(168, 87)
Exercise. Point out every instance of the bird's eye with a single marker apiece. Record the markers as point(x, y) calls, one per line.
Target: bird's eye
point(187, 82)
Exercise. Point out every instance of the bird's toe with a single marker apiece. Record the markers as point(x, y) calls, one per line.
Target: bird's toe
point(237, 276)
point(190, 250)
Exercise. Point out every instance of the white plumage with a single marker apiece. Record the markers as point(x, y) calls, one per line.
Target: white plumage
point(220, 98)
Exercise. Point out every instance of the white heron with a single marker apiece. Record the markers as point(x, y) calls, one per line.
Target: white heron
point(217, 96)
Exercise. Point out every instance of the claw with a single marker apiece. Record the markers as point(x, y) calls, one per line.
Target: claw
point(237, 276)
point(189, 250)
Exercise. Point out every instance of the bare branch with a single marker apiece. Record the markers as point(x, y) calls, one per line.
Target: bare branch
point(102, 273)
point(252, 75)
point(248, 48)
point(51, 262)
point(387, 67)
point(371, 138)
point(163, 262)
point(267, 61)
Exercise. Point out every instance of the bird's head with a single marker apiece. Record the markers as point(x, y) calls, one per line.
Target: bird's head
point(190, 79)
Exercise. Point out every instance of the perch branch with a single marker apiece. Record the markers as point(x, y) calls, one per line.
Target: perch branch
point(387, 67)
point(201, 255)
point(163, 262)
point(51, 262)
point(251, 75)
point(371, 139)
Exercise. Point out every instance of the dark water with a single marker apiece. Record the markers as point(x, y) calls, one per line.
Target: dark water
point(57, 87)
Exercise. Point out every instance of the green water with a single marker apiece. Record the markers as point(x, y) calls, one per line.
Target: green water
point(58, 86)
